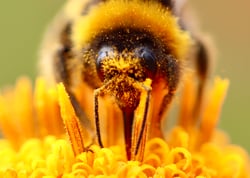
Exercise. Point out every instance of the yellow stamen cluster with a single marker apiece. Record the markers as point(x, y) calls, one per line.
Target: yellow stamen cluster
point(34, 143)
point(25, 113)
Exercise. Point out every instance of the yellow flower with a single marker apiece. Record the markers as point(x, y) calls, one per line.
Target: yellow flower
point(33, 123)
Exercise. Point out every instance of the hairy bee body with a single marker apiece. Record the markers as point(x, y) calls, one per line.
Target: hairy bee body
point(111, 49)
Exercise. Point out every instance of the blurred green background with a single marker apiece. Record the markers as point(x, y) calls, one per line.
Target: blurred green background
point(22, 24)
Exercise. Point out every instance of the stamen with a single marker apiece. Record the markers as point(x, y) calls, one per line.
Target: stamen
point(141, 124)
point(71, 121)
point(47, 110)
point(212, 112)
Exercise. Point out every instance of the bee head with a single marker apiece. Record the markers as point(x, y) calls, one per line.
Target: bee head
point(123, 58)
point(120, 48)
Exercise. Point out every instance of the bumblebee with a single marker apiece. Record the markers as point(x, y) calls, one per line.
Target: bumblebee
point(116, 50)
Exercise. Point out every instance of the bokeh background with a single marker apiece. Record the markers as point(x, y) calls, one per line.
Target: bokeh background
point(22, 24)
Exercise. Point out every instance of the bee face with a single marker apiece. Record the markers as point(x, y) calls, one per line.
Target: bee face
point(122, 59)
point(115, 47)
point(122, 52)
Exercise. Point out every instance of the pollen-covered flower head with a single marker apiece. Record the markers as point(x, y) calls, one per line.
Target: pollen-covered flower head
point(44, 137)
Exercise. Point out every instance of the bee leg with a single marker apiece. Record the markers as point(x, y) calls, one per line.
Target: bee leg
point(202, 68)
point(96, 112)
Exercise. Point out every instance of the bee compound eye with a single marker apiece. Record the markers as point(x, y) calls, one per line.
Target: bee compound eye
point(104, 53)
point(148, 60)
